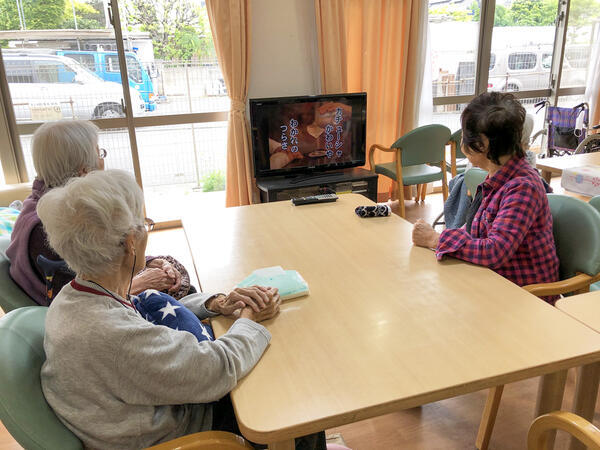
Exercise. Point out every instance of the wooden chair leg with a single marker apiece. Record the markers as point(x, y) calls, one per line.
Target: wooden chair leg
point(418, 192)
point(423, 192)
point(586, 393)
point(400, 194)
point(488, 419)
point(550, 396)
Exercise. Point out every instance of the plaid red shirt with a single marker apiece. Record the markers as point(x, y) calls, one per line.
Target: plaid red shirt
point(512, 229)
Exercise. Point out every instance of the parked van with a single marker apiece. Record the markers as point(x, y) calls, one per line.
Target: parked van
point(106, 66)
point(61, 87)
point(518, 69)
point(523, 69)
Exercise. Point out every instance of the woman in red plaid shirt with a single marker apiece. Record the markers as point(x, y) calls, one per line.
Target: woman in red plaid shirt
point(511, 232)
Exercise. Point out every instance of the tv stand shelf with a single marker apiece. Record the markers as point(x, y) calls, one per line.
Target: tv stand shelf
point(359, 181)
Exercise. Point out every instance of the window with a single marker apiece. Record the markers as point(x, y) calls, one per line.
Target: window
point(453, 33)
point(112, 63)
point(492, 60)
point(18, 71)
point(582, 43)
point(546, 61)
point(86, 61)
point(522, 61)
point(174, 80)
point(133, 69)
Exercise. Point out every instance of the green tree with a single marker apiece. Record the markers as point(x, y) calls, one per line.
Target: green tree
point(88, 17)
point(583, 13)
point(502, 17)
point(39, 14)
point(177, 29)
point(531, 13)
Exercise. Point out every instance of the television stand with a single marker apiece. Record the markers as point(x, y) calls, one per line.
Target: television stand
point(356, 180)
point(315, 176)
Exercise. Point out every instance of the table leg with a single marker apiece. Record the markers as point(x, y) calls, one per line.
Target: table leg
point(546, 175)
point(586, 393)
point(283, 445)
point(550, 396)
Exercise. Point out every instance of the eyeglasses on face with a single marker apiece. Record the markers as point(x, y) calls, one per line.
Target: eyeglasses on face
point(102, 153)
point(148, 224)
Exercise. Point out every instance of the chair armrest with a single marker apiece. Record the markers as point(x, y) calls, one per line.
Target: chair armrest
point(383, 149)
point(205, 440)
point(576, 283)
point(538, 436)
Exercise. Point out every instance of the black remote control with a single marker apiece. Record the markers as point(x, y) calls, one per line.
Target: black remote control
point(322, 198)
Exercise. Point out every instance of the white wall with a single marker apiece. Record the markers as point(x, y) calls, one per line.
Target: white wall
point(284, 57)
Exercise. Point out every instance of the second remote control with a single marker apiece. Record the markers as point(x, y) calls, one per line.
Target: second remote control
point(323, 198)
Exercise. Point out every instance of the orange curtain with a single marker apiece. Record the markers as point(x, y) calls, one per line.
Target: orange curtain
point(377, 44)
point(230, 25)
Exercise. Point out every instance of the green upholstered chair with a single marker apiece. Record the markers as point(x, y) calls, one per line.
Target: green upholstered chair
point(23, 407)
point(11, 295)
point(595, 202)
point(458, 160)
point(414, 152)
point(473, 178)
point(576, 228)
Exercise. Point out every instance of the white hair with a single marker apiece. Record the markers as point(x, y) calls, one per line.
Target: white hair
point(61, 149)
point(88, 219)
point(527, 130)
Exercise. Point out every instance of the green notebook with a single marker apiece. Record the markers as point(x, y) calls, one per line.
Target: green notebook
point(289, 282)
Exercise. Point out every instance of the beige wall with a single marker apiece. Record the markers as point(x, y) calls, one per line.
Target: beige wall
point(284, 56)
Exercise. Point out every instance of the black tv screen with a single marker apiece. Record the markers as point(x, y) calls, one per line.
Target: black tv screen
point(301, 134)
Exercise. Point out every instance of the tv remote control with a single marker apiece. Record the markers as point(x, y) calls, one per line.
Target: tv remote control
point(322, 198)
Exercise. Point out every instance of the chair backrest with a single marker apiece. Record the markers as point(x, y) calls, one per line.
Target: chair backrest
point(457, 139)
point(423, 145)
point(23, 407)
point(576, 227)
point(11, 295)
point(473, 178)
point(540, 437)
point(206, 440)
point(595, 202)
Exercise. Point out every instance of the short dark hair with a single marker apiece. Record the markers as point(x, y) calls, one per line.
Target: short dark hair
point(499, 116)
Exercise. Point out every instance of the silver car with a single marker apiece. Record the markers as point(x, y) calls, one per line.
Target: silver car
point(48, 87)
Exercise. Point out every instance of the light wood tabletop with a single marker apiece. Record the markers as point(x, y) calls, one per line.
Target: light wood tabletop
point(556, 165)
point(385, 327)
point(583, 307)
point(586, 309)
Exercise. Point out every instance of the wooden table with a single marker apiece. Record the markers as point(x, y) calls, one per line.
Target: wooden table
point(385, 327)
point(556, 165)
point(586, 309)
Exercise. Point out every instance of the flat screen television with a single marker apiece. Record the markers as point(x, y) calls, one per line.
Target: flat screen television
point(311, 133)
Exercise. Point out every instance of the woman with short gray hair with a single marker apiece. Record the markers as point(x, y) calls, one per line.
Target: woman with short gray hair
point(61, 151)
point(113, 378)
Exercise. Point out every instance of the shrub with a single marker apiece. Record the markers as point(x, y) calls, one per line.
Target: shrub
point(214, 181)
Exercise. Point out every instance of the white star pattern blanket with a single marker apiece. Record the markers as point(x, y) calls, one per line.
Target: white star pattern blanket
point(162, 309)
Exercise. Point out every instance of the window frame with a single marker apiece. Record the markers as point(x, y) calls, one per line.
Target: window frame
point(486, 26)
point(11, 155)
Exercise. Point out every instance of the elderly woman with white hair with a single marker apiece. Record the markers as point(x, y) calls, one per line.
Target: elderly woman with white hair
point(113, 378)
point(63, 150)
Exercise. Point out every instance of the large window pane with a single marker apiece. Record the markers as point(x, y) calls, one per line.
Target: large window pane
point(454, 32)
point(583, 41)
point(115, 141)
point(522, 41)
point(182, 165)
point(175, 63)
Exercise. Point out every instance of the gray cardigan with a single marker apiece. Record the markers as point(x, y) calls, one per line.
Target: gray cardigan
point(118, 381)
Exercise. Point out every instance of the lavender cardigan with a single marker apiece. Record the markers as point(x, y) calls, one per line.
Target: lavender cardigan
point(17, 252)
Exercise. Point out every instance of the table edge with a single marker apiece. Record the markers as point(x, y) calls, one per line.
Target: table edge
point(267, 437)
